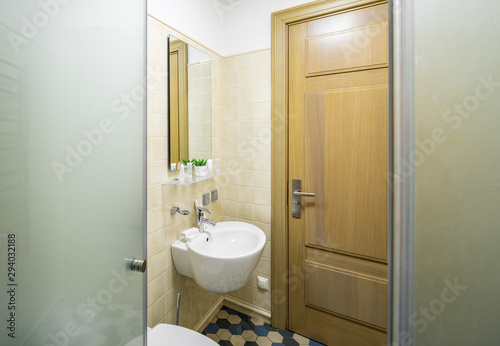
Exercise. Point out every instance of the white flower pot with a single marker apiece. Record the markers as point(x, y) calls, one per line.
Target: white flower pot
point(200, 171)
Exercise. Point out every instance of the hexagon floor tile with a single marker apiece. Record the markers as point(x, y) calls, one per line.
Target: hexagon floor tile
point(232, 328)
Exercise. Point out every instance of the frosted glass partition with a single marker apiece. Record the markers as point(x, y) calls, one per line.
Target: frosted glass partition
point(71, 171)
point(457, 165)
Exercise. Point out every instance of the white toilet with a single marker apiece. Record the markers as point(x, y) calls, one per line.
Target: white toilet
point(171, 335)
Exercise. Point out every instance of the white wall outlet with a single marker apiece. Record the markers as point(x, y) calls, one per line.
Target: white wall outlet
point(263, 283)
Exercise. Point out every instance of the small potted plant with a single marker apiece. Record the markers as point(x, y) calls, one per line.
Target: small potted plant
point(199, 166)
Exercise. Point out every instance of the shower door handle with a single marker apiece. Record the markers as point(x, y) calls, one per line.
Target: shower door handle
point(137, 265)
point(296, 197)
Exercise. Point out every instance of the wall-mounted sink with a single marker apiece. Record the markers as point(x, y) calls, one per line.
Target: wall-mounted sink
point(221, 259)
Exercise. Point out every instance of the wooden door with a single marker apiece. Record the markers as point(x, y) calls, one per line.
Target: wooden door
point(338, 148)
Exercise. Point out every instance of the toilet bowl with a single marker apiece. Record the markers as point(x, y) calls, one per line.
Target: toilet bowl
point(168, 334)
point(171, 335)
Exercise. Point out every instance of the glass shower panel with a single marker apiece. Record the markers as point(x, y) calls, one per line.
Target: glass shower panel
point(457, 165)
point(72, 151)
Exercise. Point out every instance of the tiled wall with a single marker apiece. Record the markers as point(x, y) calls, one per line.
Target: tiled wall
point(241, 137)
point(244, 136)
point(199, 109)
point(163, 229)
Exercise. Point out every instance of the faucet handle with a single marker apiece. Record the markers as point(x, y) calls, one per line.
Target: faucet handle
point(201, 209)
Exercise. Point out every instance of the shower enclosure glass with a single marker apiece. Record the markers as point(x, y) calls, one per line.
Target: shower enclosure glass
point(72, 179)
point(455, 164)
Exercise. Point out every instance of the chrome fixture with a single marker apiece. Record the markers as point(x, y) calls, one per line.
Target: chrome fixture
point(177, 210)
point(178, 308)
point(201, 220)
point(296, 196)
point(137, 265)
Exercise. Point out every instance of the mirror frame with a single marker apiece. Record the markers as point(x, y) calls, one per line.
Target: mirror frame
point(178, 101)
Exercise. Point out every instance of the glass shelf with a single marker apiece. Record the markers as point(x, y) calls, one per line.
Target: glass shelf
point(195, 179)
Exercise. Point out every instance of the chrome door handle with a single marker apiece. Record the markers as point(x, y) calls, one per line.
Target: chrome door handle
point(296, 196)
point(304, 194)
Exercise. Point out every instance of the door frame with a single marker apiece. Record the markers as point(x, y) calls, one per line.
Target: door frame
point(279, 144)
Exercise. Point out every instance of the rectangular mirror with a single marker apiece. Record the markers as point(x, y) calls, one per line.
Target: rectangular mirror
point(190, 102)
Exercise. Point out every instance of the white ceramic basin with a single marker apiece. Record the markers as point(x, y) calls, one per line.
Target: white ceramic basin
point(223, 258)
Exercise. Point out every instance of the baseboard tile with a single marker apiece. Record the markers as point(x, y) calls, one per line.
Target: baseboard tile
point(247, 309)
point(209, 315)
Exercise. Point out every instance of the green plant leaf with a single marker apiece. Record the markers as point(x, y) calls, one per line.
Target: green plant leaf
point(199, 162)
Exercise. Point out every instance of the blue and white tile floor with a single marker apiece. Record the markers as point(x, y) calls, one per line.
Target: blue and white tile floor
point(232, 328)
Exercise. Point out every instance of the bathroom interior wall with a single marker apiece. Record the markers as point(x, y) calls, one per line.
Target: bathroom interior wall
point(163, 229)
point(244, 135)
point(241, 122)
point(457, 165)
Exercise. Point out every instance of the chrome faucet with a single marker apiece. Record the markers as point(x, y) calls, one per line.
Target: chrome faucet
point(201, 220)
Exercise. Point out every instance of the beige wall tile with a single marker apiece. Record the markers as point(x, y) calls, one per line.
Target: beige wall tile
point(262, 59)
point(262, 111)
point(157, 288)
point(157, 243)
point(245, 79)
point(246, 195)
point(231, 193)
point(157, 125)
point(157, 219)
point(157, 55)
point(156, 32)
point(246, 211)
point(157, 265)
point(158, 311)
point(246, 178)
point(231, 208)
point(262, 77)
point(263, 197)
point(264, 266)
point(154, 193)
point(246, 161)
point(262, 93)
point(245, 112)
point(230, 97)
point(245, 128)
point(262, 128)
point(263, 214)
point(262, 299)
point(262, 162)
point(263, 180)
point(157, 102)
point(230, 65)
point(230, 112)
point(245, 95)
point(245, 62)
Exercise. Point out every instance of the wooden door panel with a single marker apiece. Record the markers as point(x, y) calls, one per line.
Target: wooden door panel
point(343, 332)
point(359, 48)
point(348, 41)
point(347, 293)
point(347, 169)
point(348, 20)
